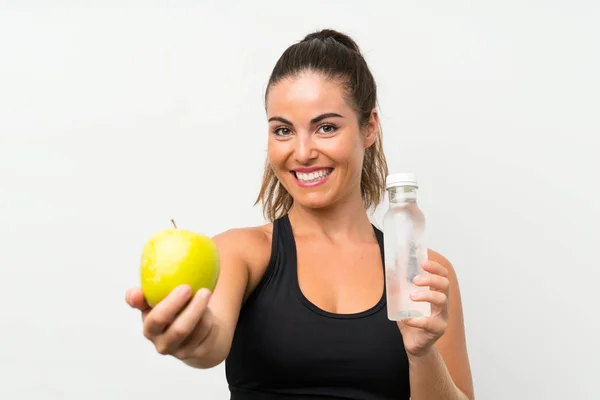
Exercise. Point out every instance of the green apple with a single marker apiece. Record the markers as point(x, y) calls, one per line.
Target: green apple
point(174, 257)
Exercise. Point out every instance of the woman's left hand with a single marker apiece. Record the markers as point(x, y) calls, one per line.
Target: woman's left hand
point(419, 334)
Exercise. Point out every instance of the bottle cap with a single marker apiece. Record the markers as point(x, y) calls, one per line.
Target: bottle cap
point(401, 179)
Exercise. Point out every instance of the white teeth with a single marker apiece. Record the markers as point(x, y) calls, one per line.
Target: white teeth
point(313, 176)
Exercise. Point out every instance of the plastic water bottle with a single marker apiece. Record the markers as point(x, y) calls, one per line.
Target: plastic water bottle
point(404, 246)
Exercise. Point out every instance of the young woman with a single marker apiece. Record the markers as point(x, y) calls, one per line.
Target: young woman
point(299, 310)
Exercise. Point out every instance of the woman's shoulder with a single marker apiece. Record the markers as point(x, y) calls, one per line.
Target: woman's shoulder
point(250, 246)
point(245, 241)
point(437, 257)
point(434, 256)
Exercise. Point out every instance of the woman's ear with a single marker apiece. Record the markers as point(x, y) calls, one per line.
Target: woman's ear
point(371, 129)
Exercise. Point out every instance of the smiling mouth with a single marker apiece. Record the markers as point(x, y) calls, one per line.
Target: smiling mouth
point(312, 177)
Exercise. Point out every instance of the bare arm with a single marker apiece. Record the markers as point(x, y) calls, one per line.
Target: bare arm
point(430, 379)
point(444, 371)
point(243, 255)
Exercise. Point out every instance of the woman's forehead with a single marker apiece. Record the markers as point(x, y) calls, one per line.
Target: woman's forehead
point(306, 91)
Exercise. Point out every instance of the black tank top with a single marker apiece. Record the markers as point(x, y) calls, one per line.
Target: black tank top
point(285, 347)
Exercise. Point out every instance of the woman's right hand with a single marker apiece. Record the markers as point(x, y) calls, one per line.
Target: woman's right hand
point(177, 326)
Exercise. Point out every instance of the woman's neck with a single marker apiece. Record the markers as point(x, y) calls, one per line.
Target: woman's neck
point(342, 221)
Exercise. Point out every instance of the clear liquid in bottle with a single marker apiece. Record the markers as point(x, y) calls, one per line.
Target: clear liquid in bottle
point(405, 248)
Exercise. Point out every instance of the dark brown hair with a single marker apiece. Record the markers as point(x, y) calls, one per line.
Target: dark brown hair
point(336, 56)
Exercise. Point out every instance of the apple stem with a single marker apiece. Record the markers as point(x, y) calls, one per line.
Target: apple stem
point(173, 221)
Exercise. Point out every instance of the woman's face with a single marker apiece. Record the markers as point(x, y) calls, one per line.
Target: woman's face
point(316, 147)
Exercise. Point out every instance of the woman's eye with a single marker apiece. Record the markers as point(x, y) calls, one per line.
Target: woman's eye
point(328, 129)
point(282, 131)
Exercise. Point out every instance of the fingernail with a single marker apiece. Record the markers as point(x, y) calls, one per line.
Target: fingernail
point(414, 295)
point(204, 293)
point(183, 291)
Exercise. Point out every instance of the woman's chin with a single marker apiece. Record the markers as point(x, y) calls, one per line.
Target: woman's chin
point(313, 201)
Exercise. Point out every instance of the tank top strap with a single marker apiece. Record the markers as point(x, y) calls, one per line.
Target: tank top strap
point(379, 236)
point(283, 253)
point(276, 274)
point(286, 235)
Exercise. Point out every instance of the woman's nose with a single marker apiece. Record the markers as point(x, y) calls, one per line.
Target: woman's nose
point(305, 149)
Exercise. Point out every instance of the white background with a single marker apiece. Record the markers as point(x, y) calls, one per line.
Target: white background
point(114, 119)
